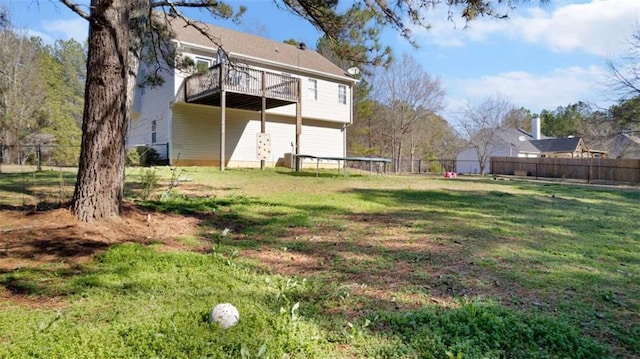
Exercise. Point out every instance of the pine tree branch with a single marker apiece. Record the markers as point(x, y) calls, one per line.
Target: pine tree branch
point(76, 8)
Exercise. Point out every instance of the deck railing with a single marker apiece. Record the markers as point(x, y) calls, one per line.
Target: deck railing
point(241, 79)
point(202, 83)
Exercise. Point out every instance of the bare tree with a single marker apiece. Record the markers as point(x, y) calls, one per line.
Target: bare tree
point(21, 90)
point(411, 95)
point(625, 82)
point(626, 75)
point(480, 124)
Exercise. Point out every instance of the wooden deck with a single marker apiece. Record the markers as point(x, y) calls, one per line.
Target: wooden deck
point(244, 87)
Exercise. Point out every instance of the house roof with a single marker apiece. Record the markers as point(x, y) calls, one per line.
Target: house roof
point(518, 138)
point(247, 45)
point(562, 144)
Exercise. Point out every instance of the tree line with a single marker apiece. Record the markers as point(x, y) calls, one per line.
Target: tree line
point(41, 96)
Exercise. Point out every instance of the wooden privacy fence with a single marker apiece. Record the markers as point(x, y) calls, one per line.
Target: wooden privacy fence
point(589, 169)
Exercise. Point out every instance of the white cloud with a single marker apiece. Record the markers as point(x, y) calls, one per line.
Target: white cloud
point(535, 92)
point(600, 27)
point(77, 29)
point(46, 38)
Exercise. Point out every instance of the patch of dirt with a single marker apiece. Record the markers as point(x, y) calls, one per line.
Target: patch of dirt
point(30, 239)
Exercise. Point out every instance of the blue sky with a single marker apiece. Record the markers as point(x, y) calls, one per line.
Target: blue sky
point(540, 58)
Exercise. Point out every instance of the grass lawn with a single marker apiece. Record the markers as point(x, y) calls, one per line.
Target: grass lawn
point(336, 266)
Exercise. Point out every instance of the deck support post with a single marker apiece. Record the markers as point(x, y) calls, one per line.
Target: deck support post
point(223, 113)
point(223, 120)
point(263, 114)
point(298, 124)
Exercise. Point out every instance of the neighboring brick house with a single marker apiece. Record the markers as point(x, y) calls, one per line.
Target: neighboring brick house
point(257, 100)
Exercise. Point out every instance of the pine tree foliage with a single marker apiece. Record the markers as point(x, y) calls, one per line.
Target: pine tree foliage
point(62, 107)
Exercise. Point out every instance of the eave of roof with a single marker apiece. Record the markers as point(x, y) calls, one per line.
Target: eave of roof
point(258, 49)
point(519, 139)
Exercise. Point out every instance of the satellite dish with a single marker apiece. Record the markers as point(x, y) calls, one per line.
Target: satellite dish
point(353, 71)
point(522, 138)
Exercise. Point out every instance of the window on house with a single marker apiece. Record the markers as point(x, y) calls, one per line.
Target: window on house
point(202, 63)
point(153, 132)
point(342, 94)
point(313, 89)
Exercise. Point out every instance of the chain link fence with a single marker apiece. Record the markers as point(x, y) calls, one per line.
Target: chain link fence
point(34, 157)
point(38, 157)
point(425, 167)
point(41, 176)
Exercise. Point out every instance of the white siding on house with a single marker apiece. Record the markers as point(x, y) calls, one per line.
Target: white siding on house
point(467, 161)
point(152, 104)
point(195, 133)
point(327, 107)
point(136, 137)
point(319, 139)
point(322, 140)
point(196, 136)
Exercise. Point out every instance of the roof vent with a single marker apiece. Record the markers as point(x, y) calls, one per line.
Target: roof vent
point(302, 46)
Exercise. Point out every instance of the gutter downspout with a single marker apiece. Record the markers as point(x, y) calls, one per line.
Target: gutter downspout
point(344, 126)
point(170, 133)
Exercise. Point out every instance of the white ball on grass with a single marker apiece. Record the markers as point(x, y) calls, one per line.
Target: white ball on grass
point(225, 314)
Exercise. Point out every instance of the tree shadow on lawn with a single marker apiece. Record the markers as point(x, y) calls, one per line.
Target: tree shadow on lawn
point(473, 221)
point(532, 252)
point(58, 244)
point(54, 240)
point(47, 236)
point(536, 252)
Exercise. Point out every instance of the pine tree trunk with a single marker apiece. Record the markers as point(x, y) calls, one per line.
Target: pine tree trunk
point(100, 184)
point(138, 25)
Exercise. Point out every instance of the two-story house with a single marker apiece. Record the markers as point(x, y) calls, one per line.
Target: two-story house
point(245, 104)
